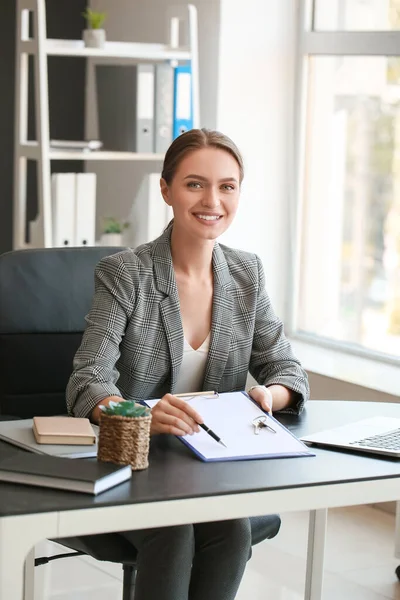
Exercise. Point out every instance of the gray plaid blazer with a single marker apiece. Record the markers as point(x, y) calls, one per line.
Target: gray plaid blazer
point(133, 343)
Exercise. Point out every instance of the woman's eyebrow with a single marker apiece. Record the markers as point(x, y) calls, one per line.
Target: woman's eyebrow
point(201, 178)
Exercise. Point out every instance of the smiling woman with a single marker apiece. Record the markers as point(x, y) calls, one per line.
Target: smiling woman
point(208, 164)
point(203, 194)
point(183, 314)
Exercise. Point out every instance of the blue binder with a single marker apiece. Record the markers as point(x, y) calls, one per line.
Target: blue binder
point(231, 415)
point(183, 100)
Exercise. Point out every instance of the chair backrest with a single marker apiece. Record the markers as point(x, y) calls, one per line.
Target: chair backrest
point(44, 297)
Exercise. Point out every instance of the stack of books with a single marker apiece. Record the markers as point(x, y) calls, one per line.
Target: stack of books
point(51, 443)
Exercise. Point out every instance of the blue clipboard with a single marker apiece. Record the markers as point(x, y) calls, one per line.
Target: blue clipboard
point(231, 416)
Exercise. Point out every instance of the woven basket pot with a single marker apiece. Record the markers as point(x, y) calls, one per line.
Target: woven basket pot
point(125, 440)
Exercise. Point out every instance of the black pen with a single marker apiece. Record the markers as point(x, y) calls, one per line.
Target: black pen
point(203, 425)
point(210, 432)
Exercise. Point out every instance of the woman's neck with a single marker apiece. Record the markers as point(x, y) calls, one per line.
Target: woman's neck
point(191, 257)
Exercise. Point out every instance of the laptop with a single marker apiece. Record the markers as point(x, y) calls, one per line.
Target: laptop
point(376, 435)
point(20, 433)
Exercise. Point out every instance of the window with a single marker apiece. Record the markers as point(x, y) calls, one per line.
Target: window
point(349, 268)
point(356, 15)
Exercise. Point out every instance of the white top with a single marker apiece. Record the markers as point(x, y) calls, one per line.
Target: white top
point(191, 374)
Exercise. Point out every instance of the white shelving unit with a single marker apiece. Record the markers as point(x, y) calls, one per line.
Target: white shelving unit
point(41, 47)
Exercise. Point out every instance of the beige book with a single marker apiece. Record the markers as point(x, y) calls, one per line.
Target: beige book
point(63, 430)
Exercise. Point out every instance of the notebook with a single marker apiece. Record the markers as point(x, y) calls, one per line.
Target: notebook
point(63, 430)
point(20, 433)
point(91, 477)
point(377, 435)
point(230, 415)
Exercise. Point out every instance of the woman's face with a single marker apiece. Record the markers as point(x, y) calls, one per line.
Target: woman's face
point(204, 193)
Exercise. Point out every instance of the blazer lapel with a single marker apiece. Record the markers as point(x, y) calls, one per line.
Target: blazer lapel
point(221, 327)
point(169, 306)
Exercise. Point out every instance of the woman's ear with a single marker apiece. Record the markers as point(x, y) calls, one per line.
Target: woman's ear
point(165, 191)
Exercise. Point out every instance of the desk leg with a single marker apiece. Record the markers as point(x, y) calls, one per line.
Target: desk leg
point(397, 532)
point(12, 568)
point(18, 536)
point(315, 554)
point(29, 579)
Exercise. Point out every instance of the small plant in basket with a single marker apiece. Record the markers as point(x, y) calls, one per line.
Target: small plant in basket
point(126, 408)
point(124, 436)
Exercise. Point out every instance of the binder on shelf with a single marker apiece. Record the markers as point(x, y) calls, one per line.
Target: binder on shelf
point(63, 204)
point(183, 100)
point(145, 108)
point(149, 214)
point(85, 209)
point(163, 106)
point(125, 99)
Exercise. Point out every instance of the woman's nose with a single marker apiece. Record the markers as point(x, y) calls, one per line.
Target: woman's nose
point(211, 198)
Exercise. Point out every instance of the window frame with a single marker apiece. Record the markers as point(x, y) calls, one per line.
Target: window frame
point(322, 43)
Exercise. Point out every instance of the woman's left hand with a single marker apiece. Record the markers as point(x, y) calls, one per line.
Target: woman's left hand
point(263, 397)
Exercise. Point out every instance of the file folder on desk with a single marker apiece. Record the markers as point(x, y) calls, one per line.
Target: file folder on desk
point(183, 100)
point(230, 415)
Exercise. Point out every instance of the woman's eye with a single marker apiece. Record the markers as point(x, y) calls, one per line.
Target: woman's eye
point(228, 187)
point(194, 184)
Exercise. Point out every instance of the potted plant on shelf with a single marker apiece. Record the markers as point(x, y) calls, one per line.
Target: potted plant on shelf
point(94, 36)
point(124, 435)
point(112, 232)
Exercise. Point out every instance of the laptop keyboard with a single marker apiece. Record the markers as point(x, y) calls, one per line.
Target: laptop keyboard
point(385, 441)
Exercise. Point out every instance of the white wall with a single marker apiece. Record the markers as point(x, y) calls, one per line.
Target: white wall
point(255, 86)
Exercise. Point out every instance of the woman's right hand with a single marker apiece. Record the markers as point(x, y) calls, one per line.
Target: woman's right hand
point(174, 415)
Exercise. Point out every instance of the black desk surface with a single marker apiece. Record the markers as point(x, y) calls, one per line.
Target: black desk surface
point(175, 472)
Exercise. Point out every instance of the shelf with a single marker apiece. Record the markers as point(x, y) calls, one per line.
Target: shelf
point(181, 45)
point(102, 155)
point(154, 52)
point(31, 150)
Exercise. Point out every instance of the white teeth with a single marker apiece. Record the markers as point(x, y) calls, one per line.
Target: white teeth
point(209, 217)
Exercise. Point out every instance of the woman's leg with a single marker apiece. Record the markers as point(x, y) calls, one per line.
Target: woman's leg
point(222, 550)
point(164, 564)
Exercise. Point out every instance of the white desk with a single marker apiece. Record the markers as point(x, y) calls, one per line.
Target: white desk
point(177, 488)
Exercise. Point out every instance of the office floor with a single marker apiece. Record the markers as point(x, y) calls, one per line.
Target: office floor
point(359, 564)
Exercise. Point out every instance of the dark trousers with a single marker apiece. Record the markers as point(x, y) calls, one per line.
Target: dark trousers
point(191, 562)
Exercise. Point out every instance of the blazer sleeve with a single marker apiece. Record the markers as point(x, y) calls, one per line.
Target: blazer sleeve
point(94, 374)
point(272, 359)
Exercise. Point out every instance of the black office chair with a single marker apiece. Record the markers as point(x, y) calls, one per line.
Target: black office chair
point(44, 297)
